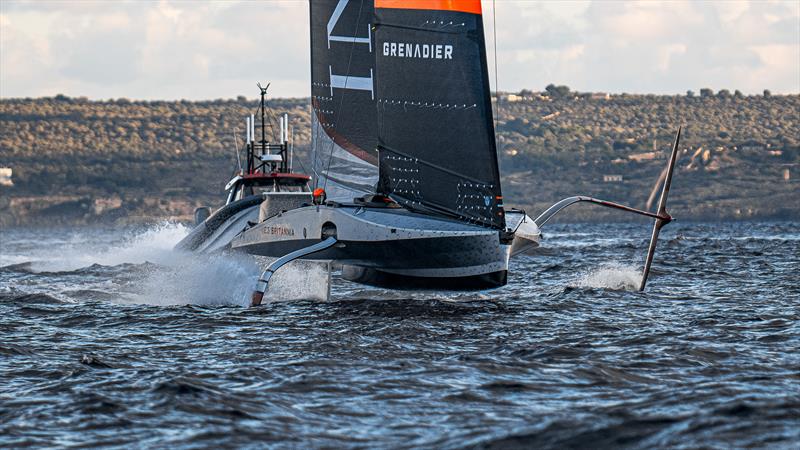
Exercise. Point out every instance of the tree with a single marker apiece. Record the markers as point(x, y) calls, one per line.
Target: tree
point(738, 94)
point(724, 93)
point(690, 93)
point(557, 91)
point(706, 92)
point(767, 93)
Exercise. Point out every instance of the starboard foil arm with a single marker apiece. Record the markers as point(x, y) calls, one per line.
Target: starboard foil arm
point(661, 216)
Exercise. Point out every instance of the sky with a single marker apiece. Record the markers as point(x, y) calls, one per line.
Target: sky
point(219, 49)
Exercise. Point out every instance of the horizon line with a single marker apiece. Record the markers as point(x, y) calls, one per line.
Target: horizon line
point(493, 93)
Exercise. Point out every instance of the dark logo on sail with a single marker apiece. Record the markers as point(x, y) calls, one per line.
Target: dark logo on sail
point(420, 51)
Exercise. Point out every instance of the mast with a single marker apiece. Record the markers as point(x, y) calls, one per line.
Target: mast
point(343, 120)
point(273, 157)
point(263, 117)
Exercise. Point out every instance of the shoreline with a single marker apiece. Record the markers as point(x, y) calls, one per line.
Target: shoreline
point(81, 211)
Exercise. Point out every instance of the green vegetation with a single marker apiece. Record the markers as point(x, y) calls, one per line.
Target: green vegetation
point(735, 150)
point(76, 160)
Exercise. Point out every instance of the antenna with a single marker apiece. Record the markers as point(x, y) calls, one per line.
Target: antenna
point(285, 143)
point(247, 120)
point(291, 150)
point(249, 147)
point(285, 127)
point(236, 146)
point(252, 128)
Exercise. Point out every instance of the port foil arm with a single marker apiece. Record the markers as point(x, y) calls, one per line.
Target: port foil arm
point(661, 215)
point(560, 205)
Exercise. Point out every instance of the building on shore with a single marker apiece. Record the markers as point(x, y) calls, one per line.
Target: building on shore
point(5, 176)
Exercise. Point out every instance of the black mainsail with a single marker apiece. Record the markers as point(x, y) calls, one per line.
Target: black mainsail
point(435, 133)
point(403, 85)
point(344, 126)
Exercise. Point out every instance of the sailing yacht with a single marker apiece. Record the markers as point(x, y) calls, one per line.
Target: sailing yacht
point(407, 185)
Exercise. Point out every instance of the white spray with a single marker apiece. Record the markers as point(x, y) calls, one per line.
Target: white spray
point(613, 275)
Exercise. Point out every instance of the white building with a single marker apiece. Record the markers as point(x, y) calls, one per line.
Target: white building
point(5, 176)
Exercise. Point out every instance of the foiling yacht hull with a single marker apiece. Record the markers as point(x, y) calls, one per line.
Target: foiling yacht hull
point(217, 231)
point(395, 248)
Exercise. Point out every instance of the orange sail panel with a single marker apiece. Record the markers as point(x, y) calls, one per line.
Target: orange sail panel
point(467, 6)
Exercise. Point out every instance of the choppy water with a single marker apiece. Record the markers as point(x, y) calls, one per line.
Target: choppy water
point(110, 338)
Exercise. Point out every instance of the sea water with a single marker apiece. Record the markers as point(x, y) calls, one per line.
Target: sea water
point(109, 337)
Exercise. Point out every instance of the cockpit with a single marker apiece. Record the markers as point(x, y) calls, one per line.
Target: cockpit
point(260, 184)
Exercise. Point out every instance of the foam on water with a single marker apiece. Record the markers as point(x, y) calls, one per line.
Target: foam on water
point(613, 275)
point(163, 276)
point(298, 280)
point(152, 244)
point(158, 275)
point(226, 279)
point(186, 278)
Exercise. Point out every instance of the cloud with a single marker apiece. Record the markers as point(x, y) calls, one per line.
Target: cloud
point(103, 49)
point(650, 47)
point(153, 50)
point(216, 49)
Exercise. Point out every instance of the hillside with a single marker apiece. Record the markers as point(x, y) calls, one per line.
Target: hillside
point(79, 161)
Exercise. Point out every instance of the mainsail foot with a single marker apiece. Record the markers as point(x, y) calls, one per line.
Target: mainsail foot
point(263, 281)
point(661, 216)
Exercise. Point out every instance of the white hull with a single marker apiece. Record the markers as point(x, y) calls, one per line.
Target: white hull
point(395, 247)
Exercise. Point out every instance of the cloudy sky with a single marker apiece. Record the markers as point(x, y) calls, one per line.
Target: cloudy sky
point(214, 49)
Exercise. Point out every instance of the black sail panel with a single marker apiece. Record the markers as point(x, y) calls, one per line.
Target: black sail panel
point(344, 126)
point(435, 132)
